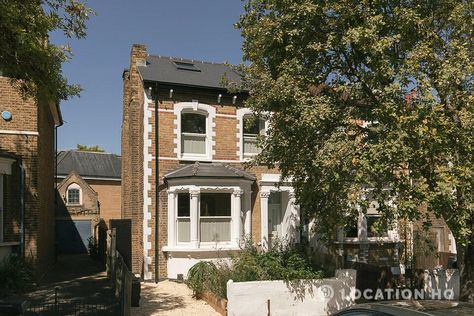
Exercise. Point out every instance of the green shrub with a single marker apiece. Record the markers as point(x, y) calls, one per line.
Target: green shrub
point(250, 264)
point(16, 275)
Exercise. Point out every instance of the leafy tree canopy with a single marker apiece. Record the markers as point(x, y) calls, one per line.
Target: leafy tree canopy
point(27, 56)
point(94, 148)
point(371, 100)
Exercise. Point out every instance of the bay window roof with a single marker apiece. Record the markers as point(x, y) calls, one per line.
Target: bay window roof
point(209, 170)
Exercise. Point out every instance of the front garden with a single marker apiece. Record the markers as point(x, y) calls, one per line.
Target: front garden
point(279, 263)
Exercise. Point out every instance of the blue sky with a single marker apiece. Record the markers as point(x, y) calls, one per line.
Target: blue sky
point(197, 29)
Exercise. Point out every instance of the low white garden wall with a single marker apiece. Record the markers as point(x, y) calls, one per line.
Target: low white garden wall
point(302, 297)
point(441, 284)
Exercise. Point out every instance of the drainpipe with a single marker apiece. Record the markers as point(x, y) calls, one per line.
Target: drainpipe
point(22, 207)
point(157, 182)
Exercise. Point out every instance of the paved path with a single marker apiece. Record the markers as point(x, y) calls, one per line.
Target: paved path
point(170, 298)
point(78, 278)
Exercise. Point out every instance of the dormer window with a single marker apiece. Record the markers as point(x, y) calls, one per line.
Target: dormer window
point(252, 127)
point(186, 66)
point(193, 133)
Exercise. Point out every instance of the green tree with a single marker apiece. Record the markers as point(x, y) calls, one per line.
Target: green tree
point(27, 56)
point(94, 148)
point(369, 100)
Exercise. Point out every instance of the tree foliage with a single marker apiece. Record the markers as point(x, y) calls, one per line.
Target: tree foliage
point(27, 56)
point(369, 100)
point(94, 148)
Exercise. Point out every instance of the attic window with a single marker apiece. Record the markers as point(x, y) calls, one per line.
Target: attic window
point(186, 66)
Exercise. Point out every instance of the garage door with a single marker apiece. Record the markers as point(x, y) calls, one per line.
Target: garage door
point(72, 235)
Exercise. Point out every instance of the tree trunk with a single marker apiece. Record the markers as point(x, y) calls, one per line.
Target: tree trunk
point(466, 266)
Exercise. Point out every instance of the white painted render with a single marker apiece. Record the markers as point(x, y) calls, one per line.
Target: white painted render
point(310, 297)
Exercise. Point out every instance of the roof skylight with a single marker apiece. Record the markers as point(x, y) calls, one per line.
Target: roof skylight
point(186, 66)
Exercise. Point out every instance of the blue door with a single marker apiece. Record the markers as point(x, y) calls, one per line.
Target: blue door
point(72, 235)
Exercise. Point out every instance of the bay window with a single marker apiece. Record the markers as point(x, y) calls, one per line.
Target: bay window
point(206, 217)
point(215, 217)
point(183, 218)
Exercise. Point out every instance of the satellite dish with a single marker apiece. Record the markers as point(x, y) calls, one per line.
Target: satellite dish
point(6, 115)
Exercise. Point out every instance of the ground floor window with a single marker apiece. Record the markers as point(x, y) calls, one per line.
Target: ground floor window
point(215, 217)
point(205, 216)
point(184, 219)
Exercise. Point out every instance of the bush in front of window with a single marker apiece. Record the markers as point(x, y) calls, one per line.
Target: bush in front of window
point(281, 262)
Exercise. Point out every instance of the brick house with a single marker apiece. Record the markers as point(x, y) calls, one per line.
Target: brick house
point(27, 194)
point(208, 203)
point(89, 195)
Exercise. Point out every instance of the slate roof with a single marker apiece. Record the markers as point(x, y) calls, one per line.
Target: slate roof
point(89, 164)
point(163, 69)
point(209, 170)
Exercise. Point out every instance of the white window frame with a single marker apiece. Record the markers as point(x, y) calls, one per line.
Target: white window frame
point(240, 216)
point(232, 211)
point(241, 114)
point(197, 108)
point(73, 186)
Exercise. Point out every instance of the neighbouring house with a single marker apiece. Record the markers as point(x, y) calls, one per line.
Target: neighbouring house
point(185, 187)
point(89, 196)
point(27, 194)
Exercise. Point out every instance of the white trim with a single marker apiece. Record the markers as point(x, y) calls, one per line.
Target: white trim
point(210, 113)
point(240, 127)
point(291, 216)
point(147, 233)
point(241, 113)
point(213, 160)
point(226, 115)
point(239, 205)
point(15, 132)
point(162, 110)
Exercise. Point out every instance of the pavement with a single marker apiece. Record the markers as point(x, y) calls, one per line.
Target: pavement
point(168, 298)
point(77, 277)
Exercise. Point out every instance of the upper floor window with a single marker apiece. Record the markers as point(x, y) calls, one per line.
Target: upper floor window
point(73, 194)
point(253, 126)
point(193, 133)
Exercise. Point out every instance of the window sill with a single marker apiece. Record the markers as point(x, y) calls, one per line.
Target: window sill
point(194, 158)
point(201, 249)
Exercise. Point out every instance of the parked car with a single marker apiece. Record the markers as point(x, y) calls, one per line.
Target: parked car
point(409, 308)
